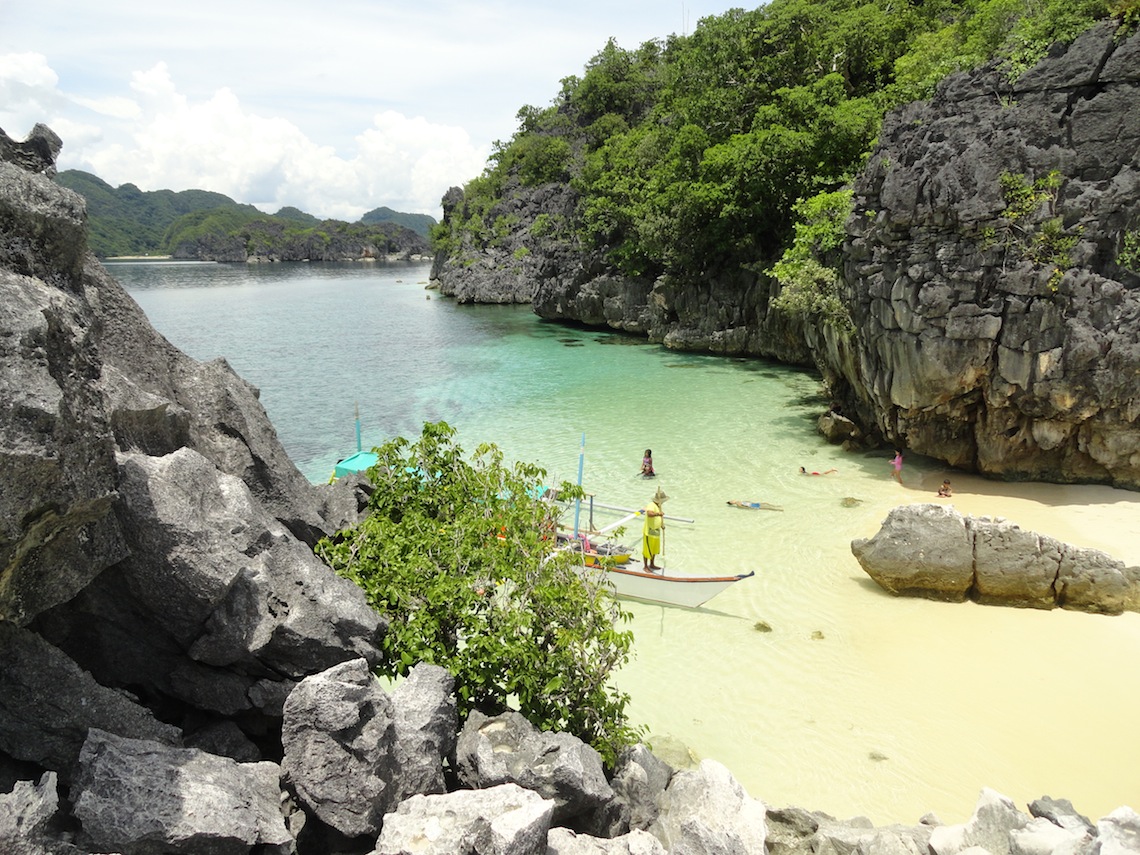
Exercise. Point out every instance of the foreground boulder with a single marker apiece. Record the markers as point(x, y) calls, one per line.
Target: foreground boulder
point(932, 551)
point(508, 748)
point(134, 796)
point(705, 811)
point(505, 819)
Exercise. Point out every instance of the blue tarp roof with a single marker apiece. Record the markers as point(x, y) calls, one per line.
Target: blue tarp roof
point(356, 463)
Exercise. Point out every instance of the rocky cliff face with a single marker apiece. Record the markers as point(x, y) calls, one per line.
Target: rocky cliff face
point(996, 326)
point(539, 261)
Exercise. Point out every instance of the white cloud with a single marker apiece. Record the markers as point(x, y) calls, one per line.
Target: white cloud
point(335, 109)
point(216, 144)
point(28, 92)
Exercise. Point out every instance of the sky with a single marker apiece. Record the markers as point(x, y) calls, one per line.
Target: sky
point(335, 108)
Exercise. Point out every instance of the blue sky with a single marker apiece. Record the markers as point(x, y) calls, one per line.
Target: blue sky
point(335, 108)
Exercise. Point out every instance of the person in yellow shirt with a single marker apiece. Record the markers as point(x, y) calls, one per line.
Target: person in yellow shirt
point(652, 531)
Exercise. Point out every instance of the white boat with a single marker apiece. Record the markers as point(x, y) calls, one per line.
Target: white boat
point(633, 583)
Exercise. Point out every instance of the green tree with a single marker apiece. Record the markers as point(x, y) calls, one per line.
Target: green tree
point(460, 555)
point(808, 270)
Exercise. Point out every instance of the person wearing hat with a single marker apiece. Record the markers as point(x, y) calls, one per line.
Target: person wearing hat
point(651, 531)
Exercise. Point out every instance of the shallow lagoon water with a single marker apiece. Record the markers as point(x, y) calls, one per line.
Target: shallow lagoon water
point(855, 703)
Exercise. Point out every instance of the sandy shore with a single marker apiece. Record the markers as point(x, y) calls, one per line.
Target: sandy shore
point(1098, 517)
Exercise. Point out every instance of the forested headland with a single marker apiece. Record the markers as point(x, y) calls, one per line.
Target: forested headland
point(200, 224)
point(724, 149)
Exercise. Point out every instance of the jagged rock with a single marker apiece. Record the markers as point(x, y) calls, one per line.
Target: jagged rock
point(639, 780)
point(48, 704)
point(427, 726)
point(1060, 812)
point(508, 748)
point(1119, 833)
point(922, 550)
point(791, 831)
point(505, 819)
point(353, 752)
point(835, 838)
point(705, 811)
point(37, 153)
point(57, 529)
point(563, 841)
point(1042, 837)
point(215, 596)
point(990, 826)
point(142, 798)
point(27, 815)
point(966, 348)
point(337, 735)
point(160, 400)
point(932, 551)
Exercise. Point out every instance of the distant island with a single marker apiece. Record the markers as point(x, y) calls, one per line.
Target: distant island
point(207, 226)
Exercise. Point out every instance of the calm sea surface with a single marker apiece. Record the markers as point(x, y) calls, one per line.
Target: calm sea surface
point(855, 703)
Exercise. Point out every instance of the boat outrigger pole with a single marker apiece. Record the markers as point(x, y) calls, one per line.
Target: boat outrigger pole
point(356, 406)
point(581, 465)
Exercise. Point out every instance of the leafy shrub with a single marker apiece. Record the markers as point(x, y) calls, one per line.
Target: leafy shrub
point(460, 556)
point(808, 278)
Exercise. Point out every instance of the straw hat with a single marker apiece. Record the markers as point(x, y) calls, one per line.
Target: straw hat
point(659, 496)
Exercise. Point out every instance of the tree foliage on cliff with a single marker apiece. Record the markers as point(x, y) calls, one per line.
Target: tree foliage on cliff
point(459, 555)
point(691, 153)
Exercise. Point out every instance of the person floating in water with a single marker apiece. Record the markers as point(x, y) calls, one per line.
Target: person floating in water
point(897, 462)
point(647, 464)
point(652, 531)
point(827, 472)
point(944, 490)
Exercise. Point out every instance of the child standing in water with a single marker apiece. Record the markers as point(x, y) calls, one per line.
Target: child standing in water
point(647, 464)
point(897, 462)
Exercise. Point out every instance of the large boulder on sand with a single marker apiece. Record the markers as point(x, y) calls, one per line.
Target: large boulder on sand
point(932, 551)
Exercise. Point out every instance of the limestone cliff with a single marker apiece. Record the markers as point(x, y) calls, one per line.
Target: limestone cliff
point(539, 260)
point(996, 327)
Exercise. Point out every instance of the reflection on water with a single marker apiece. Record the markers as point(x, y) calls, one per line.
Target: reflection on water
point(855, 702)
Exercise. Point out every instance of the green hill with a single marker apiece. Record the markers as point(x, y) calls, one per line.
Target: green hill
point(419, 223)
point(129, 221)
point(125, 220)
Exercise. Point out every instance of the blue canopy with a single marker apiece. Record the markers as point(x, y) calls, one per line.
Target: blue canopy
point(356, 463)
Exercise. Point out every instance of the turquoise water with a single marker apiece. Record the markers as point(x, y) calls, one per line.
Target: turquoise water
point(855, 702)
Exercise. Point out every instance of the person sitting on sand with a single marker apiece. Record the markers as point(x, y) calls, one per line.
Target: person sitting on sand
point(944, 490)
point(647, 464)
point(827, 472)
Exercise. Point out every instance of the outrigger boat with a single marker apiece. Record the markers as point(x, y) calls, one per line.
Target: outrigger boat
point(634, 583)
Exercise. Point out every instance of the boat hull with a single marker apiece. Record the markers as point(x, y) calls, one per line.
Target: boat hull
point(685, 591)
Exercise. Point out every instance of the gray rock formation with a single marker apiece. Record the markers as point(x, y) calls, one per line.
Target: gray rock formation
point(982, 338)
point(932, 551)
point(505, 819)
point(540, 261)
point(563, 841)
point(639, 780)
point(508, 748)
point(338, 734)
point(706, 812)
point(48, 704)
point(137, 797)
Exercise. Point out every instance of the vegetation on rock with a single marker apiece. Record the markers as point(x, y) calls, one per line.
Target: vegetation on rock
point(459, 555)
point(698, 153)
